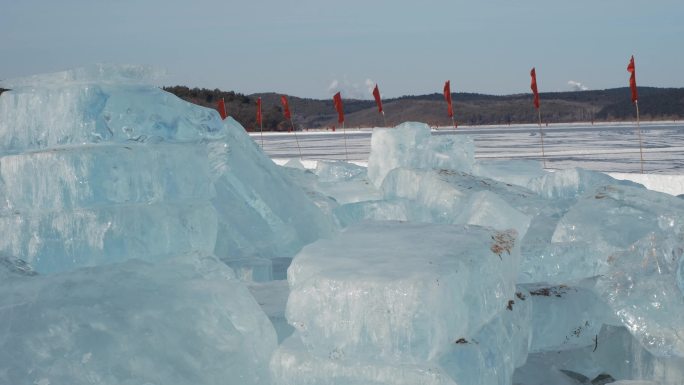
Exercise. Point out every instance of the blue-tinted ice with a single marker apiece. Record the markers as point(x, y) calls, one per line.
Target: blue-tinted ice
point(596, 254)
point(183, 320)
point(117, 199)
point(131, 220)
point(98, 168)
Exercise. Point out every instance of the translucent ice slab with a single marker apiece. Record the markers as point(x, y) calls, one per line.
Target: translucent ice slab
point(293, 364)
point(411, 145)
point(615, 355)
point(185, 320)
point(566, 317)
point(399, 292)
point(491, 355)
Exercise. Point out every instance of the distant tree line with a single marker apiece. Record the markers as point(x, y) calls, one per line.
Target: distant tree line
point(239, 106)
point(469, 108)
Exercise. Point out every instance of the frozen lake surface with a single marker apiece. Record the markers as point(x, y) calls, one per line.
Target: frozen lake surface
point(601, 147)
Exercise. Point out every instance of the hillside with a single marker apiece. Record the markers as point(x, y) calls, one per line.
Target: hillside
point(471, 109)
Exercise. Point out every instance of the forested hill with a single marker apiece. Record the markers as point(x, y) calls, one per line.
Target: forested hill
point(471, 109)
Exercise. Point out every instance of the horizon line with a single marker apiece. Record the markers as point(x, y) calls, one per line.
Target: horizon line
point(370, 98)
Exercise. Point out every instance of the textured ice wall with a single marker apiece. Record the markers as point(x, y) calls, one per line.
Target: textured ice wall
point(399, 291)
point(501, 346)
point(96, 167)
point(96, 171)
point(88, 106)
point(381, 302)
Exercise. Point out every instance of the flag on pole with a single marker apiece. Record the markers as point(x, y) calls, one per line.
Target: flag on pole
point(286, 107)
point(533, 86)
point(221, 107)
point(378, 101)
point(337, 99)
point(258, 112)
point(635, 97)
point(632, 79)
point(447, 97)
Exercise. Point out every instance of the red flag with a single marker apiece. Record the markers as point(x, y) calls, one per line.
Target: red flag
point(337, 99)
point(258, 114)
point(378, 101)
point(533, 86)
point(221, 107)
point(286, 107)
point(447, 96)
point(632, 79)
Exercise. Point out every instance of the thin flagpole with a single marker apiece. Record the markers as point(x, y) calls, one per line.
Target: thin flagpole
point(641, 151)
point(453, 121)
point(384, 120)
point(261, 132)
point(344, 132)
point(541, 136)
point(295, 134)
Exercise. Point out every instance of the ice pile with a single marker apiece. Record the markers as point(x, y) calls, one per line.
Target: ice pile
point(123, 210)
point(131, 221)
point(97, 167)
point(411, 292)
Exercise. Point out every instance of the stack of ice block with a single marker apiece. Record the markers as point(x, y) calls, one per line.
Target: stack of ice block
point(117, 198)
point(122, 206)
point(93, 173)
point(96, 166)
point(600, 289)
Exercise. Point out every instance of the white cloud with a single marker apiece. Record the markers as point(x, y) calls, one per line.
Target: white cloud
point(332, 88)
point(370, 84)
point(352, 89)
point(577, 86)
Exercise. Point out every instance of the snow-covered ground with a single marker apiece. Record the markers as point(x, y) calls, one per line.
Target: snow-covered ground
point(610, 148)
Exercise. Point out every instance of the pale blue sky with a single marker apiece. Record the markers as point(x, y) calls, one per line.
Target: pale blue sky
point(312, 48)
